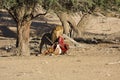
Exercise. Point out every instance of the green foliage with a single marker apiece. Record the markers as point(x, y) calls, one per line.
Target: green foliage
point(58, 5)
point(67, 5)
point(117, 2)
point(51, 4)
point(8, 3)
point(21, 9)
point(112, 5)
point(81, 5)
point(13, 3)
point(87, 5)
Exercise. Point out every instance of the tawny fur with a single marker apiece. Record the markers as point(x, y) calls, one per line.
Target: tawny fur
point(50, 38)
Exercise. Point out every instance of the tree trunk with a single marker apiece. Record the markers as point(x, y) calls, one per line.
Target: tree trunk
point(63, 18)
point(70, 27)
point(82, 24)
point(22, 43)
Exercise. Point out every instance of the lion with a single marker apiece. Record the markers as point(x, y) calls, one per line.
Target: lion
point(56, 32)
point(50, 38)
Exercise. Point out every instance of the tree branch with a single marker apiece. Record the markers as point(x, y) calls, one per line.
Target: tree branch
point(36, 6)
point(12, 14)
point(39, 15)
point(14, 17)
point(72, 40)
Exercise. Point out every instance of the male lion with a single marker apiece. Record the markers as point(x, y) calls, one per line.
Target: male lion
point(56, 32)
point(50, 38)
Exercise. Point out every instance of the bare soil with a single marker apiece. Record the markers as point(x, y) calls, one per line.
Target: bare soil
point(90, 61)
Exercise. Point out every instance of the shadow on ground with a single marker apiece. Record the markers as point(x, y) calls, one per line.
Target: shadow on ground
point(93, 38)
point(6, 32)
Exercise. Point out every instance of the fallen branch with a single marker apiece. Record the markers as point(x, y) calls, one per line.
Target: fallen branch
point(72, 40)
point(118, 62)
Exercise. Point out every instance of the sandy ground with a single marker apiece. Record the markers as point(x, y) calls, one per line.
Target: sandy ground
point(87, 62)
point(80, 64)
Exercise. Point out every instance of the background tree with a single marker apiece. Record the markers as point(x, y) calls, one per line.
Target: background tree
point(63, 8)
point(23, 12)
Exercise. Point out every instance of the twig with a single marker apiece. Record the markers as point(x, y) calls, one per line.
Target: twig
point(72, 40)
point(118, 62)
